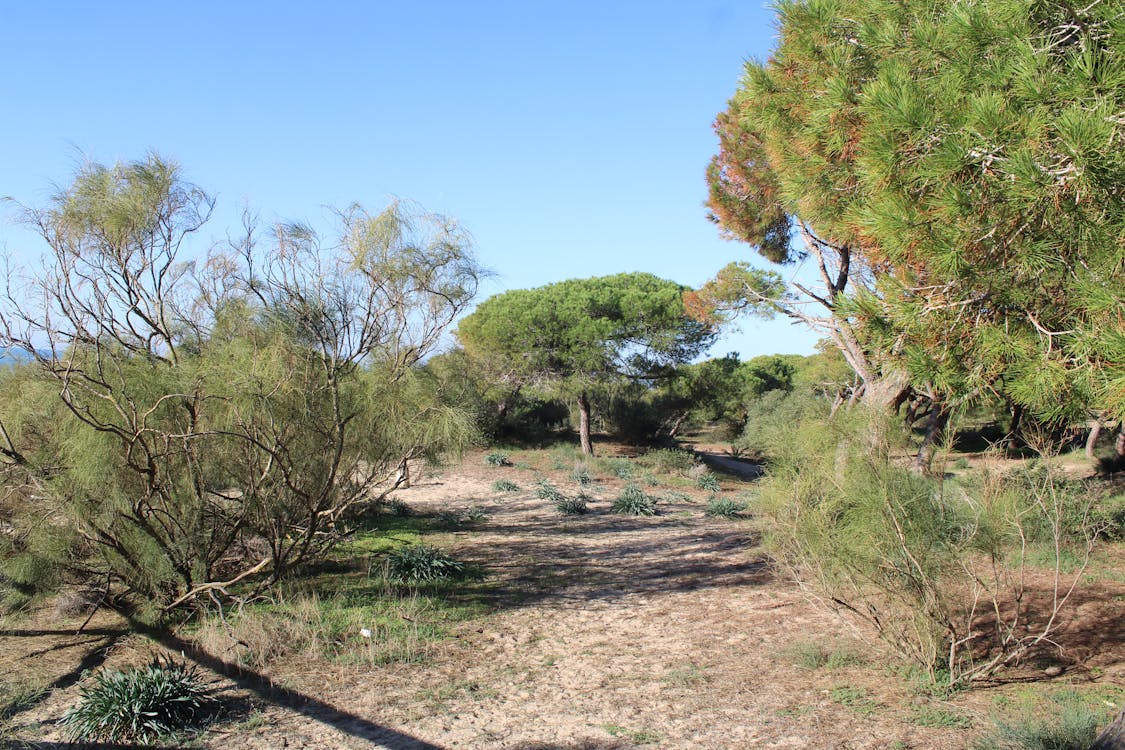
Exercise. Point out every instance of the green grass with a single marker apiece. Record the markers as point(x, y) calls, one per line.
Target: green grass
point(855, 698)
point(498, 459)
point(505, 485)
point(817, 655)
point(1067, 720)
point(938, 718)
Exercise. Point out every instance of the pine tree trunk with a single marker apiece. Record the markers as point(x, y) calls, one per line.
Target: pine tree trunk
point(584, 424)
point(1092, 439)
point(1119, 444)
point(1113, 736)
point(935, 426)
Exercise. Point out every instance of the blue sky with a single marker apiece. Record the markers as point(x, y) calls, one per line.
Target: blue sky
point(569, 138)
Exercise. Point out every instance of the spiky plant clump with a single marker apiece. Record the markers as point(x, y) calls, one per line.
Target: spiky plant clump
point(505, 485)
point(724, 507)
point(142, 704)
point(581, 475)
point(708, 482)
point(572, 506)
point(420, 563)
point(547, 491)
point(498, 459)
point(634, 501)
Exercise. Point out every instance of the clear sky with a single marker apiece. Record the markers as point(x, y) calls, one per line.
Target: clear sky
point(570, 138)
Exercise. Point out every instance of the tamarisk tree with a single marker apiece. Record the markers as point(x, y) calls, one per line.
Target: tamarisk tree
point(213, 422)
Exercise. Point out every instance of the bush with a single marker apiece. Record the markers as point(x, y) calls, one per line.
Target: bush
point(143, 704)
point(572, 506)
point(420, 563)
point(708, 482)
point(505, 485)
point(622, 468)
point(546, 491)
point(581, 475)
point(634, 502)
point(498, 459)
point(669, 460)
point(1069, 725)
point(725, 508)
point(922, 561)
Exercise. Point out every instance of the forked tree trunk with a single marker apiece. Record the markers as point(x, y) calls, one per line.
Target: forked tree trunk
point(1113, 736)
point(584, 424)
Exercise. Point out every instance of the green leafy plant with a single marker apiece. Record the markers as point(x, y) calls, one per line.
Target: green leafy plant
point(931, 716)
point(572, 506)
point(669, 460)
point(708, 482)
point(142, 704)
point(634, 501)
point(505, 485)
point(817, 655)
point(581, 475)
point(725, 507)
point(498, 459)
point(421, 563)
point(1071, 724)
point(546, 491)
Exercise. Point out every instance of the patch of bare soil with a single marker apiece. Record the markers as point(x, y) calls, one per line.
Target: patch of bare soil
point(607, 631)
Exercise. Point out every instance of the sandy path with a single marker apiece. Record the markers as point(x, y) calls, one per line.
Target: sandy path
point(608, 632)
point(613, 632)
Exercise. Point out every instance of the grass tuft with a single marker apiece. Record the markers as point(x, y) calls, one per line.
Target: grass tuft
point(722, 507)
point(420, 563)
point(143, 704)
point(634, 501)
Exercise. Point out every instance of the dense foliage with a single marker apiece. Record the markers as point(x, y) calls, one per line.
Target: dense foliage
point(584, 333)
point(189, 426)
point(956, 172)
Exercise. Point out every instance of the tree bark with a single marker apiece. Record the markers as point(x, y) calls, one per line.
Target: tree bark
point(584, 424)
point(935, 426)
point(885, 393)
point(1119, 444)
point(1092, 439)
point(1113, 736)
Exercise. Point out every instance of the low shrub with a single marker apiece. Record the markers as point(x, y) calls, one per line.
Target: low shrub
point(544, 490)
point(498, 459)
point(581, 475)
point(708, 482)
point(1068, 725)
point(921, 559)
point(420, 563)
point(634, 501)
point(572, 506)
point(143, 704)
point(669, 460)
point(723, 507)
point(505, 485)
